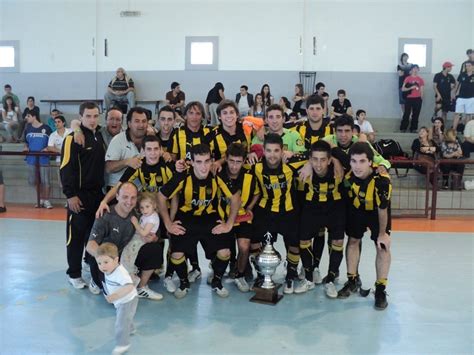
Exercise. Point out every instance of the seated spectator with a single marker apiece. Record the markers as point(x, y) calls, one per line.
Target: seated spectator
point(121, 90)
point(258, 109)
point(267, 97)
point(356, 130)
point(176, 98)
point(292, 120)
point(213, 99)
point(8, 92)
point(52, 119)
point(10, 117)
point(36, 140)
point(56, 139)
point(286, 106)
point(244, 101)
point(451, 149)
point(325, 97)
point(299, 100)
point(468, 144)
point(365, 126)
point(341, 105)
point(425, 150)
point(437, 131)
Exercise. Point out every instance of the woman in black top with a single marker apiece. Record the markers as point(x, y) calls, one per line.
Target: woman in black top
point(214, 97)
point(298, 99)
point(424, 149)
point(403, 69)
point(266, 95)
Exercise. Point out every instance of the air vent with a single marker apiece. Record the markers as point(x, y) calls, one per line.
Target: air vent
point(130, 14)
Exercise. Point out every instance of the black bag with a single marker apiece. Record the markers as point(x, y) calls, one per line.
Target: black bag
point(391, 150)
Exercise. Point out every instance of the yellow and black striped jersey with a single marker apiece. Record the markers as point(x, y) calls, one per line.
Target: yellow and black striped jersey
point(184, 139)
point(311, 136)
point(323, 190)
point(149, 177)
point(276, 186)
point(245, 183)
point(196, 197)
point(369, 194)
point(166, 146)
point(219, 139)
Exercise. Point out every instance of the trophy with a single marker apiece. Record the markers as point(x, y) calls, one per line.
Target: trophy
point(267, 261)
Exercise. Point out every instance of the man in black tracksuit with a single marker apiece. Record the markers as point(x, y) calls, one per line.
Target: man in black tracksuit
point(82, 178)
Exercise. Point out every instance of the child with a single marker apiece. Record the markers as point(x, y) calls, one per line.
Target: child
point(120, 291)
point(149, 223)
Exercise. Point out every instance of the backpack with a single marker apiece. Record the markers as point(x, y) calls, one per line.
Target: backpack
point(389, 148)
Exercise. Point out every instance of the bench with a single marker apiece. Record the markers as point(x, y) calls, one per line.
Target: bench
point(53, 103)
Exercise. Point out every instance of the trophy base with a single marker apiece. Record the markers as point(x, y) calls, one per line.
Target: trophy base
point(267, 295)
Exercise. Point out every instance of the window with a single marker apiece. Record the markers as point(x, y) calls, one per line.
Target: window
point(418, 50)
point(201, 53)
point(9, 56)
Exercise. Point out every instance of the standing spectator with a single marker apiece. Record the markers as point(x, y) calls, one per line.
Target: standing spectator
point(121, 89)
point(365, 126)
point(414, 86)
point(36, 140)
point(258, 109)
point(30, 105)
point(436, 132)
point(8, 92)
point(299, 100)
point(214, 97)
point(443, 85)
point(10, 116)
point(56, 139)
point(244, 100)
point(3, 209)
point(468, 144)
point(403, 69)
point(451, 149)
point(341, 105)
point(176, 98)
point(470, 58)
point(82, 179)
point(266, 95)
point(465, 94)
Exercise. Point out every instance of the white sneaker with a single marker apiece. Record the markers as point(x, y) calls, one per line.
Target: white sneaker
point(242, 284)
point(77, 283)
point(220, 290)
point(317, 279)
point(194, 275)
point(301, 274)
point(181, 292)
point(288, 289)
point(146, 292)
point(95, 290)
point(330, 289)
point(47, 204)
point(119, 350)
point(304, 286)
point(169, 284)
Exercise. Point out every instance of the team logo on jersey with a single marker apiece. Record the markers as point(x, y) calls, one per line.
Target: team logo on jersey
point(281, 176)
point(199, 203)
point(159, 179)
point(299, 142)
point(276, 186)
point(116, 229)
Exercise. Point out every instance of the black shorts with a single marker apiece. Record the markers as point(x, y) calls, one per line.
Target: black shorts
point(243, 231)
point(150, 256)
point(447, 105)
point(313, 219)
point(359, 221)
point(285, 224)
point(199, 229)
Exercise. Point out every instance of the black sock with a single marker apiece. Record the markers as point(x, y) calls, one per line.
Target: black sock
point(194, 259)
point(219, 265)
point(292, 259)
point(335, 259)
point(181, 269)
point(169, 265)
point(307, 259)
point(318, 248)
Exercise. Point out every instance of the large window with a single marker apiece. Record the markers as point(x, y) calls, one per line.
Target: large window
point(202, 53)
point(418, 50)
point(9, 56)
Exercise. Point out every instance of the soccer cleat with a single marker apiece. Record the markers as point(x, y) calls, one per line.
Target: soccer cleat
point(380, 298)
point(304, 286)
point(146, 292)
point(317, 279)
point(77, 283)
point(47, 204)
point(194, 275)
point(288, 289)
point(119, 350)
point(351, 286)
point(169, 284)
point(93, 288)
point(331, 290)
point(242, 284)
point(220, 290)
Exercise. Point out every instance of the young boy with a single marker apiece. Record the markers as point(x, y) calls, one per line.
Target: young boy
point(119, 290)
point(369, 195)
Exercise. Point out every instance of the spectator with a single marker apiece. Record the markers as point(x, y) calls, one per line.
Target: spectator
point(425, 150)
point(286, 106)
point(36, 140)
point(356, 130)
point(8, 92)
point(414, 86)
point(10, 115)
point(214, 97)
point(468, 144)
point(266, 95)
point(403, 69)
point(443, 85)
point(176, 98)
point(52, 119)
point(341, 105)
point(365, 126)
point(258, 109)
point(299, 100)
point(465, 94)
point(292, 120)
point(113, 125)
point(451, 149)
point(121, 90)
point(3, 209)
point(56, 139)
point(320, 87)
point(244, 101)
point(30, 105)
point(470, 58)
point(437, 131)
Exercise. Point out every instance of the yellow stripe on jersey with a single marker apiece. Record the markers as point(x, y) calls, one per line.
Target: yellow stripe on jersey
point(369, 199)
point(67, 151)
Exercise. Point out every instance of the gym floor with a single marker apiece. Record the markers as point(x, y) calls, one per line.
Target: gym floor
point(430, 302)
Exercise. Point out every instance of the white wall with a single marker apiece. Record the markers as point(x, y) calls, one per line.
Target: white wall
point(358, 36)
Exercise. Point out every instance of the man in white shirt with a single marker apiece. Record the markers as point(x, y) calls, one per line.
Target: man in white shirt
point(56, 139)
point(244, 100)
point(365, 126)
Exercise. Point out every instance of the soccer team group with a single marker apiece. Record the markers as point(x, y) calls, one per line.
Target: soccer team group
point(227, 187)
